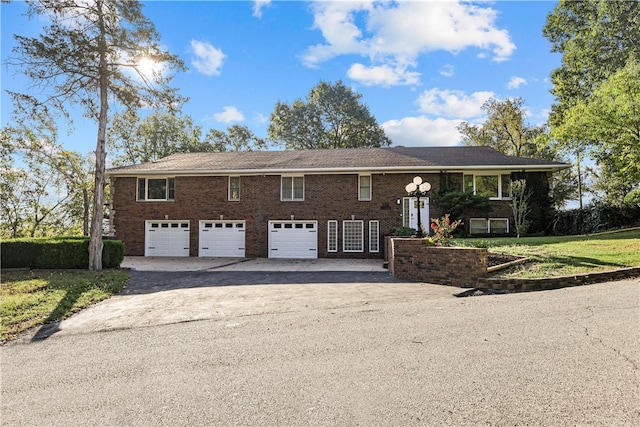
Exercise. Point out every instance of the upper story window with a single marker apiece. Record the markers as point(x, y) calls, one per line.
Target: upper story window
point(156, 188)
point(292, 188)
point(491, 186)
point(234, 188)
point(364, 187)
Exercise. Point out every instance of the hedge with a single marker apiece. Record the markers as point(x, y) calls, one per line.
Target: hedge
point(57, 253)
point(596, 218)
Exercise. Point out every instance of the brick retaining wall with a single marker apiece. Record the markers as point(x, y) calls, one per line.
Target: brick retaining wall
point(415, 259)
point(547, 283)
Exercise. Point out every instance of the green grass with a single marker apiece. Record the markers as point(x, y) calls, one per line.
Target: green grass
point(565, 255)
point(32, 298)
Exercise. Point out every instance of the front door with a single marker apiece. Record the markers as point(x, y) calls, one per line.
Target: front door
point(410, 212)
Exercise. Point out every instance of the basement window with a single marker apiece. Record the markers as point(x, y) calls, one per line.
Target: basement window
point(489, 226)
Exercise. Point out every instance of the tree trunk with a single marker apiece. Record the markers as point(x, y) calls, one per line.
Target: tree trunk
point(95, 242)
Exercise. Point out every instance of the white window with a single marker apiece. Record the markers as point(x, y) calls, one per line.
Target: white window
point(292, 188)
point(498, 225)
point(374, 236)
point(353, 236)
point(488, 226)
point(364, 187)
point(497, 186)
point(234, 188)
point(156, 188)
point(332, 236)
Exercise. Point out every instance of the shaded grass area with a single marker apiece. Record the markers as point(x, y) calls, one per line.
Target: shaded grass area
point(33, 298)
point(565, 255)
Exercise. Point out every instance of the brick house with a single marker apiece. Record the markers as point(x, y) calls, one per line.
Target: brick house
point(303, 204)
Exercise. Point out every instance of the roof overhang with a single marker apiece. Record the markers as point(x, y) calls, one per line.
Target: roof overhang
point(338, 171)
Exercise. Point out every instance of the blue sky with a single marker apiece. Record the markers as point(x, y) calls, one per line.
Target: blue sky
point(422, 67)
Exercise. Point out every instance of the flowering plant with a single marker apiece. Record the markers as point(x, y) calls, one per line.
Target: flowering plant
point(442, 229)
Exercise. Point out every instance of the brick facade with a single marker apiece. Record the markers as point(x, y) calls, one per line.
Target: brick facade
point(326, 197)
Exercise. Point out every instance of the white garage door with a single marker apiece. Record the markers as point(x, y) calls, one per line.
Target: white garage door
point(166, 238)
point(293, 239)
point(222, 239)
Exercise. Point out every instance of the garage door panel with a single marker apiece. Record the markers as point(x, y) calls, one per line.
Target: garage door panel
point(293, 239)
point(167, 238)
point(222, 239)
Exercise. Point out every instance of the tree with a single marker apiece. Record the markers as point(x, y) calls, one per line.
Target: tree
point(566, 184)
point(505, 129)
point(237, 138)
point(331, 117)
point(161, 134)
point(47, 192)
point(520, 196)
point(90, 54)
point(608, 124)
point(595, 39)
point(158, 135)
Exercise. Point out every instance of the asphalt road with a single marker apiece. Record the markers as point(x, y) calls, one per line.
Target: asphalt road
point(564, 357)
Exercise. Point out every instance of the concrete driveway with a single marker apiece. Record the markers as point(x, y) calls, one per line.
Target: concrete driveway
point(174, 290)
point(139, 263)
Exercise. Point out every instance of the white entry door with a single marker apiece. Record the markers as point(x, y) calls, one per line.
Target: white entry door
point(222, 239)
point(410, 212)
point(293, 239)
point(166, 238)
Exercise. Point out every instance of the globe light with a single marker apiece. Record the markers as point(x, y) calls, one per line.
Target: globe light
point(424, 187)
point(411, 187)
point(417, 180)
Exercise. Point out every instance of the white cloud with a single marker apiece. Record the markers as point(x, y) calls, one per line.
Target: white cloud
point(516, 82)
point(382, 75)
point(447, 70)
point(260, 118)
point(394, 34)
point(208, 59)
point(423, 131)
point(228, 115)
point(258, 6)
point(453, 103)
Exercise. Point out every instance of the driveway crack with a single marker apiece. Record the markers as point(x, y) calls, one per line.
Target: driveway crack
point(600, 341)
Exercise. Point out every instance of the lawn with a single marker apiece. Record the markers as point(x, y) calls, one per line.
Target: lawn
point(32, 298)
point(565, 255)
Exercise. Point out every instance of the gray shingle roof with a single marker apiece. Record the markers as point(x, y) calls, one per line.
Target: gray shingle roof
point(350, 159)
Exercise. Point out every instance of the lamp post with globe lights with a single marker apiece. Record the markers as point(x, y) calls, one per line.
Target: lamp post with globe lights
point(418, 189)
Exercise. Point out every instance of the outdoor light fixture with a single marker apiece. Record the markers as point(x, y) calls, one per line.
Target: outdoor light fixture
point(418, 189)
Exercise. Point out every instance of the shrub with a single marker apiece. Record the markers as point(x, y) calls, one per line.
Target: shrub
point(403, 231)
point(442, 230)
point(57, 253)
point(462, 204)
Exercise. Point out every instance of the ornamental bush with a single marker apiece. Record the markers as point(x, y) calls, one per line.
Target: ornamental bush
point(443, 229)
